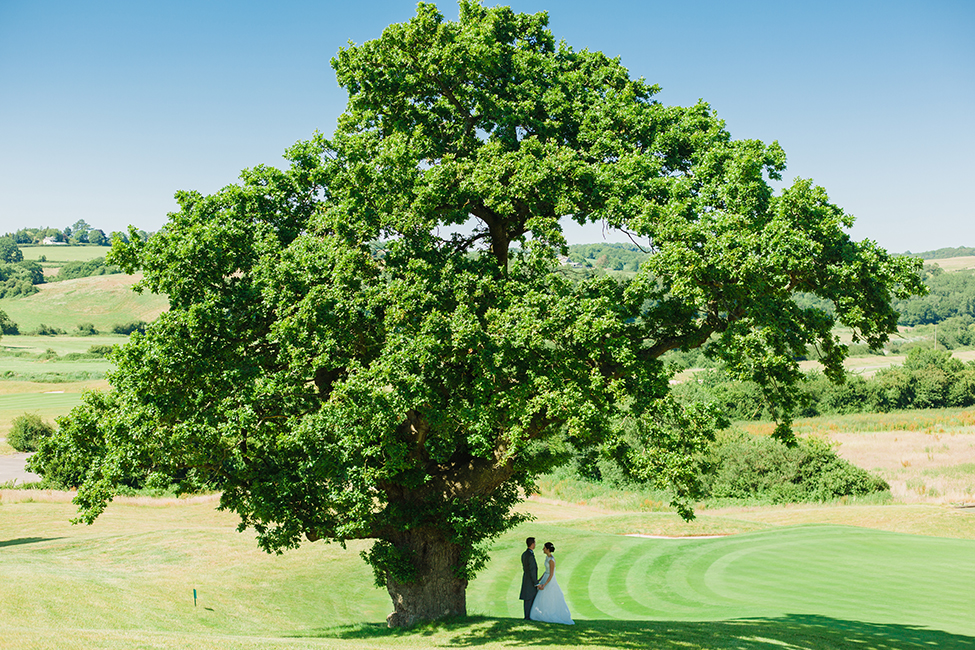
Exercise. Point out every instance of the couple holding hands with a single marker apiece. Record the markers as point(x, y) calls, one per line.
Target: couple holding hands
point(543, 598)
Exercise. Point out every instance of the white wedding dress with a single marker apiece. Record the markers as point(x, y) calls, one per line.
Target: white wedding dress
point(549, 605)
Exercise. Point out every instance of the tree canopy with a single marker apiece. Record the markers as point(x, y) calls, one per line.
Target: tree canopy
point(950, 295)
point(410, 394)
point(10, 251)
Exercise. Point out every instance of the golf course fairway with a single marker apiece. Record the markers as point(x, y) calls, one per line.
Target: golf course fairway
point(175, 573)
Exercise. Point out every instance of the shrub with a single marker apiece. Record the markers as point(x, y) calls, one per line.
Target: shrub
point(821, 396)
point(97, 266)
point(128, 328)
point(764, 469)
point(7, 326)
point(9, 250)
point(87, 329)
point(19, 279)
point(27, 432)
point(738, 400)
point(890, 390)
point(13, 287)
point(962, 391)
point(100, 350)
point(31, 270)
point(956, 332)
point(48, 330)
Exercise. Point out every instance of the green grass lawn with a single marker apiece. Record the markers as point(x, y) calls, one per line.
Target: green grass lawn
point(52, 370)
point(31, 380)
point(49, 387)
point(128, 581)
point(10, 345)
point(63, 254)
point(54, 402)
point(49, 404)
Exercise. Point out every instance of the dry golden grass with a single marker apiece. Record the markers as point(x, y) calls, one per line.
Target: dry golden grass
point(921, 466)
point(955, 263)
point(925, 456)
point(60, 496)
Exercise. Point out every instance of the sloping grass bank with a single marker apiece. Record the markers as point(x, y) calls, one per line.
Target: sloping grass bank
point(102, 300)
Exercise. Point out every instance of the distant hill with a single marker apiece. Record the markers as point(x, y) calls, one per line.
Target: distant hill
point(102, 300)
point(961, 263)
point(943, 253)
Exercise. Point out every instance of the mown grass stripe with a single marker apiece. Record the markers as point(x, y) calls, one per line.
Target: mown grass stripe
point(577, 584)
point(844, 572)
point(665, 579)
point(495, 590)
point(607, 582)
point(621, 591)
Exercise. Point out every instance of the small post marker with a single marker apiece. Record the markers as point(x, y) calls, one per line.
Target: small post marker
point(194, 598)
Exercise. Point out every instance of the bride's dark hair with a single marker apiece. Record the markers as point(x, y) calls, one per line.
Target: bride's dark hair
point(550, 546)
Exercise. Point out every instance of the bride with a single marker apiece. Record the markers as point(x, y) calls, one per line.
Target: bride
point(549, 605)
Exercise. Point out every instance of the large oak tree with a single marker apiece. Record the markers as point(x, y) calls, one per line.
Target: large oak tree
point(410, 391)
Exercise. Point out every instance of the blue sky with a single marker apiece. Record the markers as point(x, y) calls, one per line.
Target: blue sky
point(108, 108)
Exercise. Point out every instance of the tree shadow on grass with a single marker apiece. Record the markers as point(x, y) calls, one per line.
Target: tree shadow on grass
point(27, 540)
point(791, 631)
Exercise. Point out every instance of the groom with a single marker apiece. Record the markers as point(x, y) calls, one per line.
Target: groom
point(529, 576)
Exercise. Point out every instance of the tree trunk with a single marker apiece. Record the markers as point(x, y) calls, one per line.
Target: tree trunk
point(437, 591)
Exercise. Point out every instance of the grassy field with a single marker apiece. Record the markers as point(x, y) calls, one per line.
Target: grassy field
point(48, 404)
point(927, 456)
point(61, 254)
point(62, 345)
point(801, 576)
point(789, 582)
point(955, 263)
point(35, 376)
point(102, 300)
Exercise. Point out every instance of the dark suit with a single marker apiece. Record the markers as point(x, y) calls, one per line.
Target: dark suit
point(528, 580)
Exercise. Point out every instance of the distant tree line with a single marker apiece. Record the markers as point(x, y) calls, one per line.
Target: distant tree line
point(950, 301)
point(80, 232)
point(950, 304)
point(944, 253)
point(950, 295)
point(17, 276)
point(616, 257)
point(928, 379)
